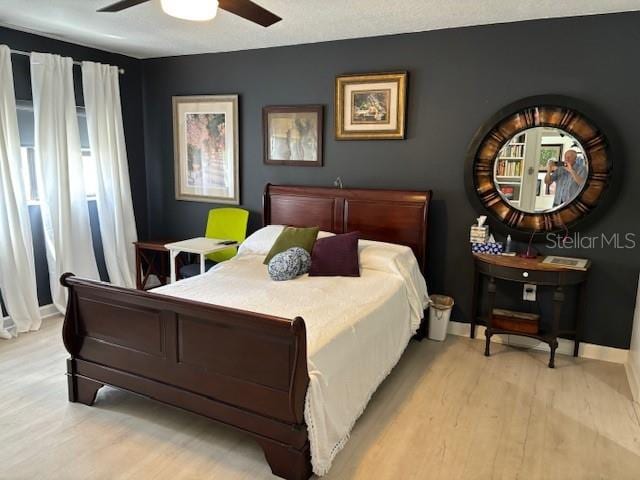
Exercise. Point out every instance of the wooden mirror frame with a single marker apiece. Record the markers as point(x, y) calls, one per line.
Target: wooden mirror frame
point(541, 111)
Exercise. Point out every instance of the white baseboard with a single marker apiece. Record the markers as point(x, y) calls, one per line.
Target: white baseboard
point(47, 311)
point(8, 325)
point(565, 347)
point(633, 376)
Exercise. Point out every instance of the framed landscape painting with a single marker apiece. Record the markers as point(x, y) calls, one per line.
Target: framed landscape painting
point(293, 135)
point(205, 131)
point(549, 152)
point(371, 106)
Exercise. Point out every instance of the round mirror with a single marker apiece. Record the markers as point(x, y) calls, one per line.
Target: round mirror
point(538, 166)
point(541, 169)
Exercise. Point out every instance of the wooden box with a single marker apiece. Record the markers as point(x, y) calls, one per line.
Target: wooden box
point(515, 321)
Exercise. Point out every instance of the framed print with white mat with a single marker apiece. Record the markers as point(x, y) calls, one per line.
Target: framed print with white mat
point(206, 148)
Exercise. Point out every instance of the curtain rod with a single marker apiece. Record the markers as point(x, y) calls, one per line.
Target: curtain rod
point(75, 62)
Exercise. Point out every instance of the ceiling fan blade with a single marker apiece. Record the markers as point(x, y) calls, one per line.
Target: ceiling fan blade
point(249, 10)
point(121, 5)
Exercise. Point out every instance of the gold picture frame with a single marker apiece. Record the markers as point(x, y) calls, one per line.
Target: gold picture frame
point(371, 106)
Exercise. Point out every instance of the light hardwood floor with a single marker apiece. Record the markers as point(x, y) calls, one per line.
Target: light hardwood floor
point(446, 412)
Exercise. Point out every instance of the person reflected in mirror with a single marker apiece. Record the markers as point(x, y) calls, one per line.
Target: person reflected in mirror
point(569, 177)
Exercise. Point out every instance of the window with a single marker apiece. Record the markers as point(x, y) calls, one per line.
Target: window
point(90, 173)
point(29, 173)
point(30, 179)
point(26, 128)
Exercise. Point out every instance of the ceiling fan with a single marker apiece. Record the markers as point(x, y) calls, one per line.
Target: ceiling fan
point(202, 10)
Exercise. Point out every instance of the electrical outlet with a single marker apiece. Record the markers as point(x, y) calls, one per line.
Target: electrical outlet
point(529, 292)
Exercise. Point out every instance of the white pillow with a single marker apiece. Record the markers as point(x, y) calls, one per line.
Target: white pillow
point(397, 260)
point(261, 241)
point(383, 256)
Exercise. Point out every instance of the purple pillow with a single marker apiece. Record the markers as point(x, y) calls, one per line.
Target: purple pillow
point(336, 256)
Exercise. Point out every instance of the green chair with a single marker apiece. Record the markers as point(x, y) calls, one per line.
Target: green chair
point(224, 223)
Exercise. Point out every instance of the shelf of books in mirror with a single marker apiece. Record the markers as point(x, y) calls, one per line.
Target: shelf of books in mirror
point(509, 168)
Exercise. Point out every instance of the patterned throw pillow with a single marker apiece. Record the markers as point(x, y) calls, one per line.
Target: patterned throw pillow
point(289, 264)
point(304, 259)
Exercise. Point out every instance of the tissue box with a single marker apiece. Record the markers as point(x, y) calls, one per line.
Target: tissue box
point(491, 248)
point(479, 234)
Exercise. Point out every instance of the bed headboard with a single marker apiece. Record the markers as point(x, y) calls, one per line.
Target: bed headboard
point(395, 216)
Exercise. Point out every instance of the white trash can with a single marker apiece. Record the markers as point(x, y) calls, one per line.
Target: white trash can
point(439, 314)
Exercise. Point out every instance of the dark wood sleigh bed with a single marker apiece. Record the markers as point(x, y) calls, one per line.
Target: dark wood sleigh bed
point(240, 368)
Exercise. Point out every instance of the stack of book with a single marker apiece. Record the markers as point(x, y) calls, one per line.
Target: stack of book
point(509, 168)
point(507, 192)
point(513, 151)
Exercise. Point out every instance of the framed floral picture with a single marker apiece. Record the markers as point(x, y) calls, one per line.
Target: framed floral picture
point(206, 151)
point(371, 106)
point(293, 135)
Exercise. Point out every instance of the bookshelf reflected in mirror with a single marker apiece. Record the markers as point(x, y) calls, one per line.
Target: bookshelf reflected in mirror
point(508, 168)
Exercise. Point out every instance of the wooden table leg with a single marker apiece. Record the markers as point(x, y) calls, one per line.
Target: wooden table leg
point(558, 299)
point(162, 277)
point(491, 300)
point(138, 270)
point(148, 258)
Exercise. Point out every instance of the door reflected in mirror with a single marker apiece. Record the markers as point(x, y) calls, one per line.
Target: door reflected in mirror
point(540, 169)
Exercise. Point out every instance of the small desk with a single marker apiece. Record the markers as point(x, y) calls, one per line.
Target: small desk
point(151, 259)
point(200, 246)
point(528, 270)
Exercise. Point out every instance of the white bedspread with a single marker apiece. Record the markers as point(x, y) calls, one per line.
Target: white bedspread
point(357, 328)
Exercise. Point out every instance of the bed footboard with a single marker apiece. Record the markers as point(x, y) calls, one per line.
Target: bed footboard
point(243, 369)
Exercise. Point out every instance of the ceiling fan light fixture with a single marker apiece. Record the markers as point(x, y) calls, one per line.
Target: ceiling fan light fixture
point(195, 10)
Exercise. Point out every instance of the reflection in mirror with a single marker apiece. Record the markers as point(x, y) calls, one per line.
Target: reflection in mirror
point(540, 169)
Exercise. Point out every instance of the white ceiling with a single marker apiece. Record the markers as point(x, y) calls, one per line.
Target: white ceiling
point(144, 31)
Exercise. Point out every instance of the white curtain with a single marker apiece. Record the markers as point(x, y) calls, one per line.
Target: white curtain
point(101, 88)
point(17, 268)
point(63, 199)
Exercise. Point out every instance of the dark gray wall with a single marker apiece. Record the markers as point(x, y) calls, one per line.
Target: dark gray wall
point(458, 78)
point(131, 92)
